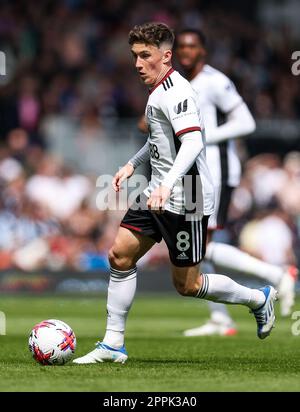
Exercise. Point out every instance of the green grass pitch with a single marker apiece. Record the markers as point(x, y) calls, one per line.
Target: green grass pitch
point(160, 358)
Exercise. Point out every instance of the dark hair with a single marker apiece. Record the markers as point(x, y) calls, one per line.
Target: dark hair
point(152, 33)
point(201, 36)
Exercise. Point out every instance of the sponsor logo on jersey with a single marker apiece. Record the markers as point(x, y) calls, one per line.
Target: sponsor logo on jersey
point(182, 256)
point(181, 107)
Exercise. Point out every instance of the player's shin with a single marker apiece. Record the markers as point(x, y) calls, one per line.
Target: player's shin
point(218, 312)
point(222, 289)
point(120, 295)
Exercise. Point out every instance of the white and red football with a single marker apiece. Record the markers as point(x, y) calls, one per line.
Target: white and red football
point(52, 342)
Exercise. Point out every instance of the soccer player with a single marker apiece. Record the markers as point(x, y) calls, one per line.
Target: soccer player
point(176, 144)
point(218, 97)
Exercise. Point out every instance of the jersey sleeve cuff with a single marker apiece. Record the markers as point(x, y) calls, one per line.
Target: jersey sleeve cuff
point(131, 164)
point(187, 130)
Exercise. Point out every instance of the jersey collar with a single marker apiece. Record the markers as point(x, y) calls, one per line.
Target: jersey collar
point(162, 80)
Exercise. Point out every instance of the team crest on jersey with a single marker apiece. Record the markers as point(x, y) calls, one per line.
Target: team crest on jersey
point(181, 107)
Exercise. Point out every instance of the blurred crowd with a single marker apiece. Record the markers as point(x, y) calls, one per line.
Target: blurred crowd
point(72, 56)
point(265, 209)
point(49, 216)
point(69, 59)
point(46, 219)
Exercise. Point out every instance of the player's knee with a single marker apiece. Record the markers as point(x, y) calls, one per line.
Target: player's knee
point(185, 287)
point(118, 261)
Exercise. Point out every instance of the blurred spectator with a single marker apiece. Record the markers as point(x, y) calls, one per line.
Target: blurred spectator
point(289, 192)
point(269, 183)
point(59, 190)
point(269, 238)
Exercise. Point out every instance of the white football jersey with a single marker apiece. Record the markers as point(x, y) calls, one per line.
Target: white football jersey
point(216, 93)
point(172, 110)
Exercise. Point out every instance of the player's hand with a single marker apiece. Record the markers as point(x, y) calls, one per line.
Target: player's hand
point(158, 198)
point(124, 173)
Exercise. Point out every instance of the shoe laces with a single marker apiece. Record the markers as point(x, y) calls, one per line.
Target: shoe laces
point(259, 316)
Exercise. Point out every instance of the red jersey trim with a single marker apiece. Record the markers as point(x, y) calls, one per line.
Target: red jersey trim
point(162, 80)
point(189, 129)
point(137, 229)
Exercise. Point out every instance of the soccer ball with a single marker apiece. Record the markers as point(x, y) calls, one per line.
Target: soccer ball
point(52, 342)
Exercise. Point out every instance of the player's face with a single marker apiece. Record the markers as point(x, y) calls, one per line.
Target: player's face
point(149, 61)
point(189, 50)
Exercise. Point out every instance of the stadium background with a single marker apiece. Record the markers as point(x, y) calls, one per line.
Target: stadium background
point(69, 106)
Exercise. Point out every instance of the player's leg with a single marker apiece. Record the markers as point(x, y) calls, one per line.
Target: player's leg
point(220, 322)
point(232, 258)
point(189, 281)
point(135, 237)
point(222, 289)
point(128, 248)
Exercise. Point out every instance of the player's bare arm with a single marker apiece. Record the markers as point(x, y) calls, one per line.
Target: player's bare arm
point(158, 198)
point(124, 173)
point(127, 171)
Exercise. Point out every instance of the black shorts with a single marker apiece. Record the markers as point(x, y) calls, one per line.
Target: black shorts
point(185, 239)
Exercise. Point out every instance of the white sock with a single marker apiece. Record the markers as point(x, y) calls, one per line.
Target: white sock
point(222, 289)
point(218, 311)
point(120, 295)
point(233, 258)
